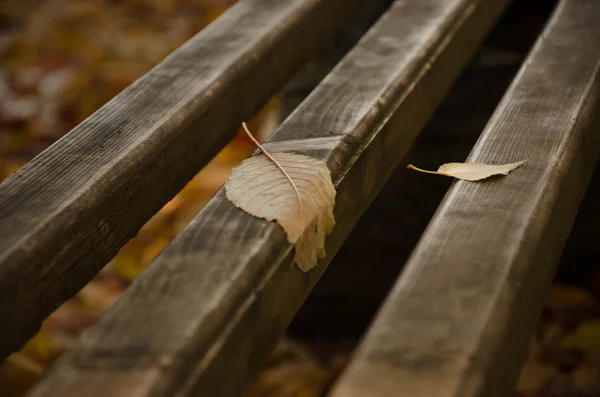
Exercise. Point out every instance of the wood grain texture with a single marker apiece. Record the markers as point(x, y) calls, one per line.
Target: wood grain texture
point(459, 319)
point(203, 316)
point(383, 239)
point(66, 214)
point(298, 88)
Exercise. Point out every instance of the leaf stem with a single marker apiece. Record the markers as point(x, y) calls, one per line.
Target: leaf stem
point(412, 167)
point(267, 155)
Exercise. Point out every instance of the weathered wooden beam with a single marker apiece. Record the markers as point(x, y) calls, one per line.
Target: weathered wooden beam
point(315, 70)
point(459, 320)
point(383, 239)
point(67, 213)
point(206, 312)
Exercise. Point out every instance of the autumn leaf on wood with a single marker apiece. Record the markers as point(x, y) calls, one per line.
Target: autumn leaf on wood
point(295, 191)
point(283, 171)
point(471, 171)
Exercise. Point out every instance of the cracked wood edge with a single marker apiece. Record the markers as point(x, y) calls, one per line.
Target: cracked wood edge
point(460, 317)
point(208, 309)
point(68, 212)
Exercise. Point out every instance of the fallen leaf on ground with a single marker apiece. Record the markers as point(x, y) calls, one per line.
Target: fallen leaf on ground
point(586, 337)
point(471, 171)
point(259, 188)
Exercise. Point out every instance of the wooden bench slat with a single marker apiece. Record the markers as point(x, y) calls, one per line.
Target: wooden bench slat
point(66, 214)
point(206, 312)
point(459, 319)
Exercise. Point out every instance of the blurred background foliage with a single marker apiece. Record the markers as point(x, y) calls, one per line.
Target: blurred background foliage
point(63, 59)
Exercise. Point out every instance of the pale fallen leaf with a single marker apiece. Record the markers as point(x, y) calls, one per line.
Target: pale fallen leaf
point(276, 163)
point(258, 187)
point(471, 171)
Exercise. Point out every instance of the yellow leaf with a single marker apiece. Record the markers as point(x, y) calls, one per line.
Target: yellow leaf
point(127, 266)
point(153, 250)
point(471, 171)
point(39, 347)
point(258, 187)
point(586, 337)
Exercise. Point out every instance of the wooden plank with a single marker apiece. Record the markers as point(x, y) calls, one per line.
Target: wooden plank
point(203, 316)
point(66, 214)
point(459, 319)
point(305, 81)
point(383, 239)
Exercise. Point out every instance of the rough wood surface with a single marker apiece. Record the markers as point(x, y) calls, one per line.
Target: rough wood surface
point(203, 316)
point(66, 214)
point(389, 230)
point(317, 68)
point(458, 321)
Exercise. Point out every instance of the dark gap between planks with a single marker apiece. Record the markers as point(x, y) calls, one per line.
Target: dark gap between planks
point(365, 268)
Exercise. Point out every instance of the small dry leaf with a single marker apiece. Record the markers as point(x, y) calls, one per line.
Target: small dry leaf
point(259, 188)
point(471, 171)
